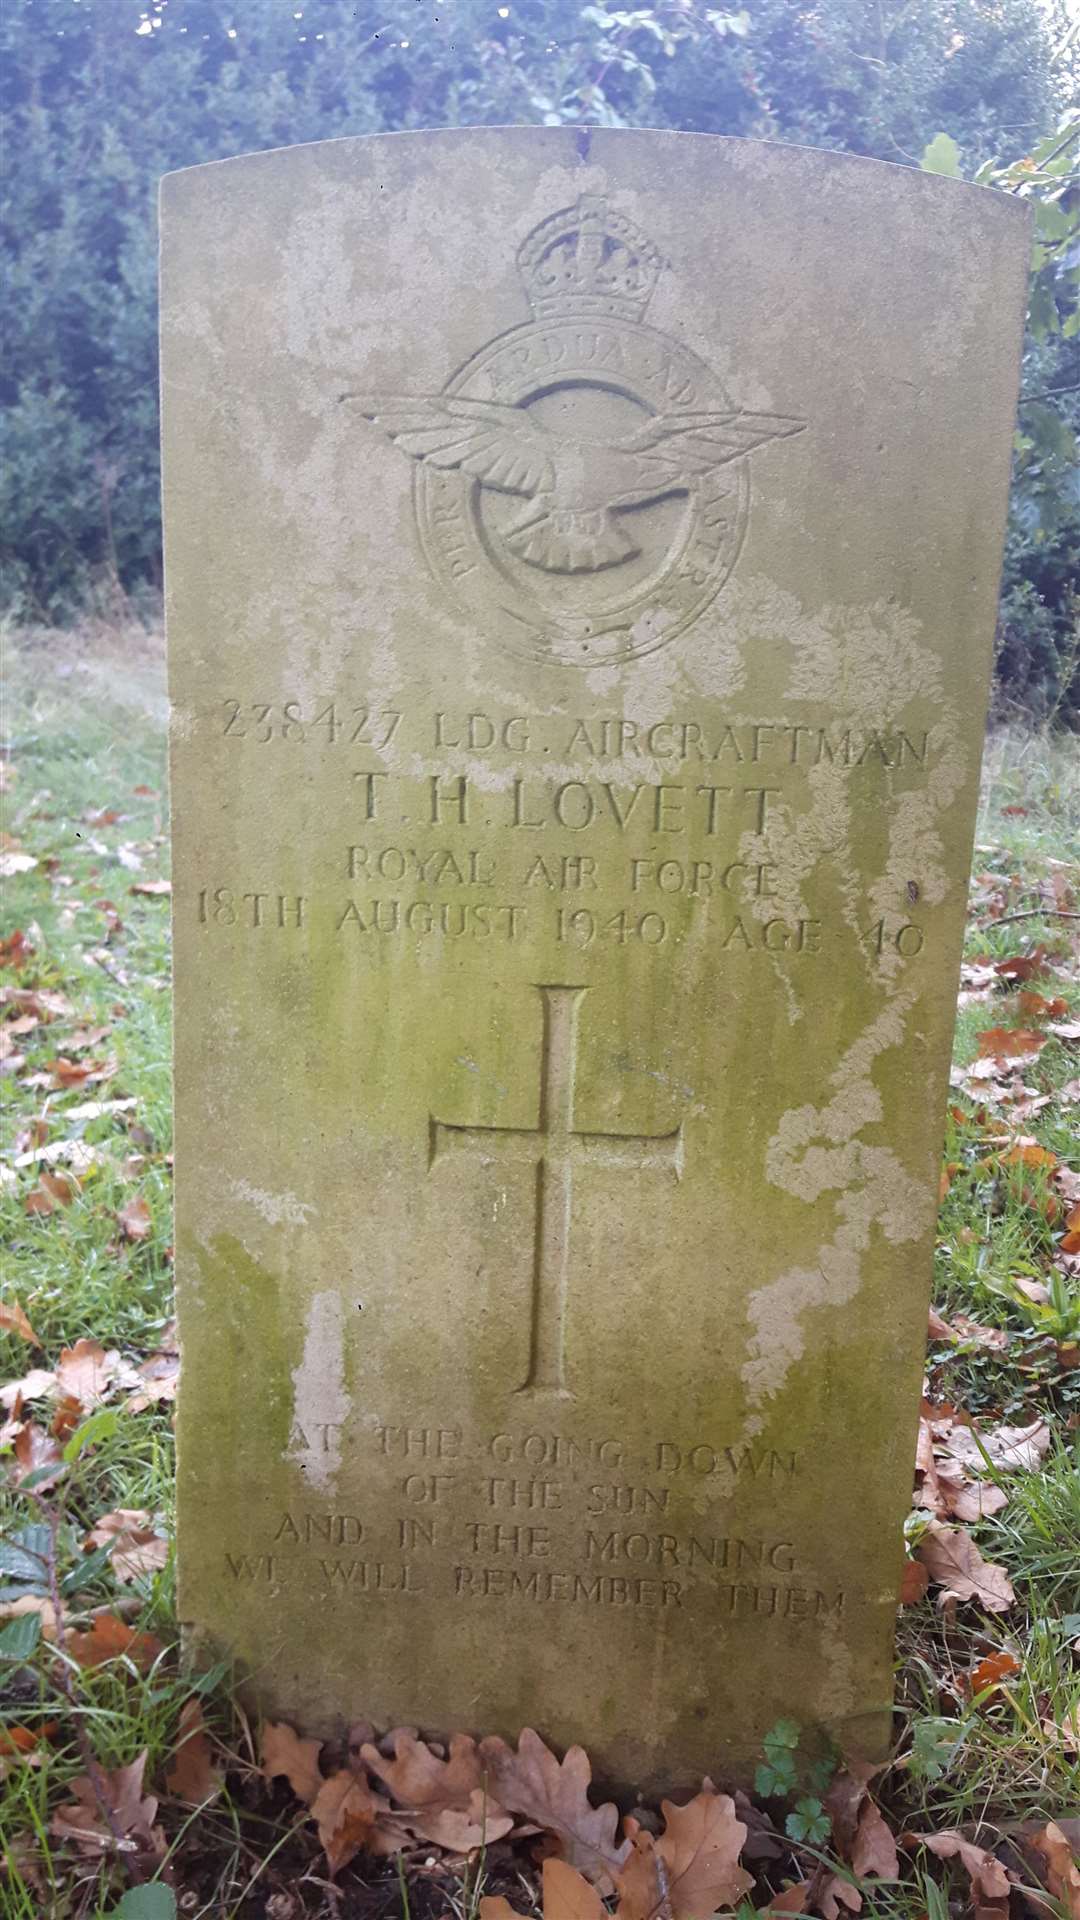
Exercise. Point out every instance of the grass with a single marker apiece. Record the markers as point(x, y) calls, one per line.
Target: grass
point(84, 735)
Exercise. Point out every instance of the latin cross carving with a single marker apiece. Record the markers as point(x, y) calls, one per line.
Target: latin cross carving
point(556, 1148)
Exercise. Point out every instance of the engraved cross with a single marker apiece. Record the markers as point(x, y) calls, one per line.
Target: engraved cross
point(555, 1148)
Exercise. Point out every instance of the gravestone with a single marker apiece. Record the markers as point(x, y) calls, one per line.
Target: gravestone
point(582, 551)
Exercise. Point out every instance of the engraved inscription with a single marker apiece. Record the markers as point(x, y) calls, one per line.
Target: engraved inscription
point(554, 1147)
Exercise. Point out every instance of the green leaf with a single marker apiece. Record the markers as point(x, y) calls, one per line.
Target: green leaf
point(809, 1821)
point(23, 1558)
point(942, 156)
point(823, 1769)
point(100, 1426)
point(935, 1746)
point(40, 1476)
point(775, 1778)
point(21, 1635)
point(153, 1901)
point(785, 1734)
point(86, 1570)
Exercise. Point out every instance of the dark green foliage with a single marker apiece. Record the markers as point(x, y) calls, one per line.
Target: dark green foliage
point(100, 97)
point(1038, 651)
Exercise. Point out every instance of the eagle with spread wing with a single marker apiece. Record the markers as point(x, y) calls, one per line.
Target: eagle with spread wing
point(574, 486)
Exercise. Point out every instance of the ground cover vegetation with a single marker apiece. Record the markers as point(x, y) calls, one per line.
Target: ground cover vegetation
point(101, 97)
point(133, 1789)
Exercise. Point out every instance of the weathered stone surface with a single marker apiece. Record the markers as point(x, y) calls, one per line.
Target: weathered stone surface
point(573, 805)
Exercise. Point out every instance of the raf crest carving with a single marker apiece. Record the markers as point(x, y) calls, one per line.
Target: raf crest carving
point(581, 483)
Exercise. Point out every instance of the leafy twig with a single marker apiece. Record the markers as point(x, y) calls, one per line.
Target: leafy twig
point(1034, 913)
point(66, 1682)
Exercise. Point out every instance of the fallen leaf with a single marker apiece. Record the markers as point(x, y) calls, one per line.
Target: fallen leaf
point(992, 1670)
point(93, 1109)
point(86, 1371)
point(1029, 1154)
point(193, 1776)
point(1066, 1731)
point(66, 1416)
point(914, 1582)
point(1034, 1007)
point(23, 1740)
point(954, 1563)
point(1068, 1030)
point(71, 1073)
point(1009, 1043)
point(159, 1377)
point(1030, 966)
point(34, 1452)
point(44, 1003)
point(32, 1603)
point(135, 1219)
point(12, 862)
point(1009, 1449)
point(830, 1891)
point(285, 1754)
point(568, 1895)
point(110, 1638)
point(970, 1500)
point(14, 1320)
point(990, 1883)
point(792, 1900)
point(994, 1338)
point(874, 1848)
point(1062, 1869)
point(555, 1795)
point(153, 888)
point(130, 1825)
point(346, 1811)
point(15, 949)
point(938, 1328)
point(700, 1847)
point(1031, 1290)
point(53, 1190)
point(444, 1801)
point(137, 1549)
point(32, 1386)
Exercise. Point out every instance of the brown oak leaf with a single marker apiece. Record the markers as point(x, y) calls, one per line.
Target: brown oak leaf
point(954, 1563)
point(792, 1900)
point(990, 1883)
point(193, 1776)
point(14, 1320)
point(829, 1892)
point(86, 1372)
point(860, 1833)
point(285, 1754)
point(135, 1219)
point(35, 1452)
point(555, 1794)
point(1062, 1868)
point(129, 1825)
point(700, 1847)
point(346, 1812)
point(1009, 1043)
point(109, 1638)
point(567, 1893)
point(137, 1549)
point(989, 1672)
point(1009, 1449)
point(444, 1801)
point(913, 1583)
